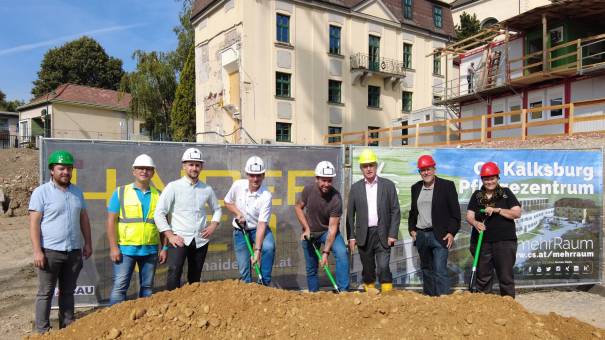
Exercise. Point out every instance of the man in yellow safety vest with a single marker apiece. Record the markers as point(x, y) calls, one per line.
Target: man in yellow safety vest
point(136, 241)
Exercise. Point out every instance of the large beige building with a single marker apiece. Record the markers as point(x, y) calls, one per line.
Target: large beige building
point(490, 12)
point(81, 112)
point(291, 71)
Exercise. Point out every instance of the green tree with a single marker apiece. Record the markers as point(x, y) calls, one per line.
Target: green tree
point(185, 35)
point(152, 86)
point(469, 26)
point(10, 106)
point(182, 124)
point(82, 61)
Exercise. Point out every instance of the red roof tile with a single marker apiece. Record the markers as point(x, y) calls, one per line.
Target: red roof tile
point(85, 95)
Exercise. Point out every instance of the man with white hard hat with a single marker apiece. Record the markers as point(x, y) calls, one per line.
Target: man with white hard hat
point(136, 240)
point(250, 202)
point(318, 211)
point(185, 200)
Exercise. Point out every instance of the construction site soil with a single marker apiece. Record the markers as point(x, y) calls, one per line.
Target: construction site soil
point(235, 310)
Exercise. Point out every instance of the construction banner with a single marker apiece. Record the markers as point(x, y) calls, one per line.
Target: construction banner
point(559, 232)
point(103, 165)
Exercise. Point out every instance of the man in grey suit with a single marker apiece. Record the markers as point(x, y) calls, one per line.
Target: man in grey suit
point(373, 217)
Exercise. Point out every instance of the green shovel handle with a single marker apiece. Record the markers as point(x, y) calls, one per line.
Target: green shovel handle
point(249, 245)
point(325, 266)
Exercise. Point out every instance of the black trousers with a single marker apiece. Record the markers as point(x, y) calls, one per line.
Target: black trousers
point(176, 259)
point(62, 266)
point(374, 253)
point(498, 256)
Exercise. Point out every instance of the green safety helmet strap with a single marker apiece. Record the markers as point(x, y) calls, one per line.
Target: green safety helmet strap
point(60, 157)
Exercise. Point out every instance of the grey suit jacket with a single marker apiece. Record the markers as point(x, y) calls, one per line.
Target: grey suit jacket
point(389, 215)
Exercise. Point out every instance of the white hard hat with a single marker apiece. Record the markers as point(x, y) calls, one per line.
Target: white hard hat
point(143, 160)
point(325, 169)
point(193, 155)
point(255, 166)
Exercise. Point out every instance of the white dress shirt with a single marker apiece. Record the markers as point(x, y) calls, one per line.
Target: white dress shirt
point(256, 206)
point(185, 202)
point(372, 197)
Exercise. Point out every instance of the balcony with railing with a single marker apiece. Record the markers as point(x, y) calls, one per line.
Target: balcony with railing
point(497, 72)
point(365, 66)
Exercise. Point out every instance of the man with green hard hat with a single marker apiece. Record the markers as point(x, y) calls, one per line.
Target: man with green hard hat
point(373, 217)
point(57, 217)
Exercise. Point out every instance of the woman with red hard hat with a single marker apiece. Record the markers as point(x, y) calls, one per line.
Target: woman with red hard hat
point(499, 248)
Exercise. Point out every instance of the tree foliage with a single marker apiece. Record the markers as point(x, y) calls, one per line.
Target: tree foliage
point(469, 26)
point(152, 86)
point(185, 35)
point(82, 61)
point(11, 105)
point(183, 109)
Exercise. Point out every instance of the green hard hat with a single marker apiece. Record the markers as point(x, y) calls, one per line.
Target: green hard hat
point(60, 157)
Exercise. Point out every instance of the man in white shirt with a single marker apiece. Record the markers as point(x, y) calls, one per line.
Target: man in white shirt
point(185, 201)
point(250, 202)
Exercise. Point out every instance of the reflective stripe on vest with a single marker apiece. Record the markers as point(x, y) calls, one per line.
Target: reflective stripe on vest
point(133, 228)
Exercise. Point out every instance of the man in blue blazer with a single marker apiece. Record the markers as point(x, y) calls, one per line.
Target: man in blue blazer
point(433, 222)
point(373, 218)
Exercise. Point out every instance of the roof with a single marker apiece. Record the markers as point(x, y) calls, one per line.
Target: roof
point(460, 3)
point(421, 18)
point(80, 94)
point(559, 10)
point(6, 113)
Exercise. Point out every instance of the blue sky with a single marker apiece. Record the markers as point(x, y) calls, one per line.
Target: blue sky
point(30, 27)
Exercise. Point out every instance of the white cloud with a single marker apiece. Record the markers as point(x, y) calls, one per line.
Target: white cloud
point(28, 47)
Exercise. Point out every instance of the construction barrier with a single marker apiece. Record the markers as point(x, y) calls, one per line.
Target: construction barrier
point(559, 233)
point(560, 230)
point(103, 165)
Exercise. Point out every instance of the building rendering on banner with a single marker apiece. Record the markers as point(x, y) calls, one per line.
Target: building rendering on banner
point(490, 12)
point(539, 73)
point(294, 71)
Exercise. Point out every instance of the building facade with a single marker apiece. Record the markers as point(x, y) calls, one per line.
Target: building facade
point(8, 129)
point(292, 71)
point(539, 73)
point(81, 112)
point(490, 12)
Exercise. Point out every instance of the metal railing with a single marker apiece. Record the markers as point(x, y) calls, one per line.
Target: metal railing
point(360, 61)
point(8, 141)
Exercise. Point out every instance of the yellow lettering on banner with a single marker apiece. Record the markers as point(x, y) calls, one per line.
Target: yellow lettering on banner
point(293, 189)
point(74, 177)
point(110, 186)
point(234, 174)
point(273, 225)
point(271, 188)
point(157, 181)
point(219, 246)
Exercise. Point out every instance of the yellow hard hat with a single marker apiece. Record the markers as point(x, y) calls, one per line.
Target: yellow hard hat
point(367, 156)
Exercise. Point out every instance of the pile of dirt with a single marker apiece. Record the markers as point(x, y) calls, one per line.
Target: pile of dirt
point(18, 178)
point(234, 310)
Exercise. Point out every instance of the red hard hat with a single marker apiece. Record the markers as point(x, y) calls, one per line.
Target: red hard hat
point(425, 161)
point(490, 169)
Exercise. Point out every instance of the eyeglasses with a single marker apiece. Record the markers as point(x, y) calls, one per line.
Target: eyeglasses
point(425, 170)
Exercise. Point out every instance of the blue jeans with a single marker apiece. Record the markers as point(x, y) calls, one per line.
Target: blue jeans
point(340, 255)
point(243, 254)
point(433, 262)
point(122, 272)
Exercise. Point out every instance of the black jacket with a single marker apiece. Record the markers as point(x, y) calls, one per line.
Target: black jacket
point(445, 209)
point(389, 214)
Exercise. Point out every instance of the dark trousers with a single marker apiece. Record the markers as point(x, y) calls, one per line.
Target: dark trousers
point(176, 260)
point(64, 266)
point(374, 253)
point(499, 256)
point(433, 263)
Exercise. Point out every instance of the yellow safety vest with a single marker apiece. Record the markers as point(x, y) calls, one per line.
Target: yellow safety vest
point(133, 229)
